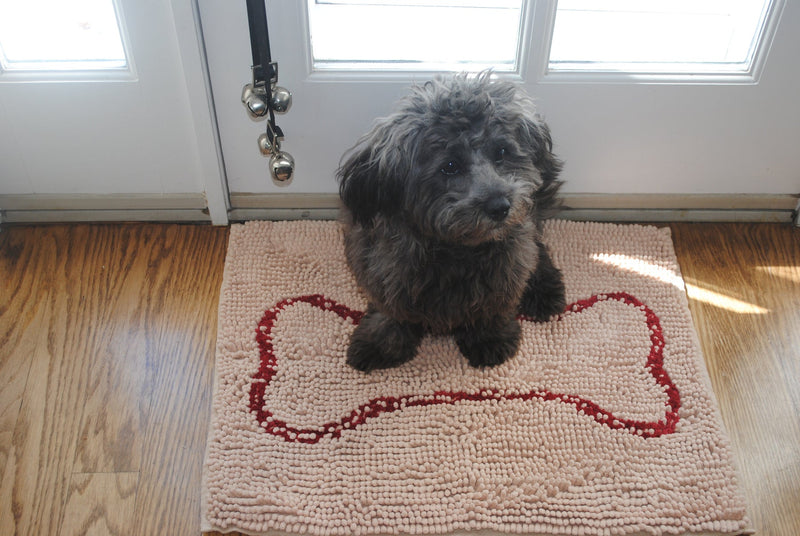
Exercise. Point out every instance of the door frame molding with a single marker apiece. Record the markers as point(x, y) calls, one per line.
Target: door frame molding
point(191, 46)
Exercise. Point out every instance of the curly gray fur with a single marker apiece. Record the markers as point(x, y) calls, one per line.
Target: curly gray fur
point(443, 201)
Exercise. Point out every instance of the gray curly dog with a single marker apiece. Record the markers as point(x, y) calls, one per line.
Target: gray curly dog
point(443, 204)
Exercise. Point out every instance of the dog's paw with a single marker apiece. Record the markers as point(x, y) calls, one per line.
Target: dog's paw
point(541, 304)
point(380, 342)
point(365, 356)
point(544, 296)
point(489, 347)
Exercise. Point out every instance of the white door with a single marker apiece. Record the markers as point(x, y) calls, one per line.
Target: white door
point(103, 106)
point(659, 134)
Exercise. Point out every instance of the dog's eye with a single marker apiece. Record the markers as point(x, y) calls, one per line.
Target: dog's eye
point(500, 154)
point(451, 168)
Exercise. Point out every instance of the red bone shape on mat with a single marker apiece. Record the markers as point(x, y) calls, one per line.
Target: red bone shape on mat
point(663, 394)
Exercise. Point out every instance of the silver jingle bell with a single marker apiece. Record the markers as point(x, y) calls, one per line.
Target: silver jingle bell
point(254, 99)
point(281, 166)
point(281, 100)
point(265, 145)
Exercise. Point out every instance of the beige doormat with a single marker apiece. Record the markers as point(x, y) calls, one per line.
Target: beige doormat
point(603, 423)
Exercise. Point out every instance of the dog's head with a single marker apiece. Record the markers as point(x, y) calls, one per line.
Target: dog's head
point(463, 159)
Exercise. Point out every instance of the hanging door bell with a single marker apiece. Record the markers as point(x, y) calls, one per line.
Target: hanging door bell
point(263, 97)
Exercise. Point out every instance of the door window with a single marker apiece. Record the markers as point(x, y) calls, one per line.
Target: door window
point(634, 40)
point(419, 35)
point(53, 35)
point(656, 37)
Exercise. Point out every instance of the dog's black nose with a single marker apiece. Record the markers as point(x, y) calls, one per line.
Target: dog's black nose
point(497, 208)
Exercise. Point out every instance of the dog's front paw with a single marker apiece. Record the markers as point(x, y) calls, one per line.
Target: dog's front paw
point(380, 342)
point(545, 295)
point(540, 304)
point(364, 355)
point(489, 346)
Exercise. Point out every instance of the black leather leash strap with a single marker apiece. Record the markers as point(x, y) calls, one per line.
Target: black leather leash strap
point(263, 69)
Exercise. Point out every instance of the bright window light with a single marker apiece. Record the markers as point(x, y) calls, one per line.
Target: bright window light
point(415, 35)
point(657, 36)
point(58, 35)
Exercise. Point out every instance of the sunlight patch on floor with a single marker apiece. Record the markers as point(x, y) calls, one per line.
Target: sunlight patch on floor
point(725, 302)
point(694, 292)
point(792, 273)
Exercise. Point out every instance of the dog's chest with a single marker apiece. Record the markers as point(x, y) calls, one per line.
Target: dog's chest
point(439, 285)
point(448, 286)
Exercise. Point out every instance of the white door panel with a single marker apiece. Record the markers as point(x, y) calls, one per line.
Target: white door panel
point(93, 138)
point(108, 134)
point(615, 137)
point(686, 139)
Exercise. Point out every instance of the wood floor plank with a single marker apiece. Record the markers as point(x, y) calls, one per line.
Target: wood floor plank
point(181, 333)
point(752, 355)
point(46, 431)
point(118, 395)
point(21, 315)
point(27, 493)
point(100, 504)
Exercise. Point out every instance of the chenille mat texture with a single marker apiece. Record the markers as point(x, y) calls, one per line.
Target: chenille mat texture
point(603, 423)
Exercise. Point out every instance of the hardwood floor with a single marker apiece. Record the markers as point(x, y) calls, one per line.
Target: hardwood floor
point(107, 338)
point(744, 289)
point(106, 357)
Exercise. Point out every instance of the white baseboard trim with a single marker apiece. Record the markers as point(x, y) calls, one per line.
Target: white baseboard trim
point(689, 215)
point(279, 214)
point(764, 208)
point(192, 207)
point(595, 207)
point(71, 208)
point(98, 216)
point(704, 202)
point(102, 202)
point(284, 201)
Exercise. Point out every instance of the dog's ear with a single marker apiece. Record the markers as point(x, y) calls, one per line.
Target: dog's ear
point(546, 162)
point(371, 177)
point(364, 189)
point(535, 136)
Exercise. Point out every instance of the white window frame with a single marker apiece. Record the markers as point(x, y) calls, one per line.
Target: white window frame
point(538, 24)
point(546, 15)
point(366, 74)
point(127, 72)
